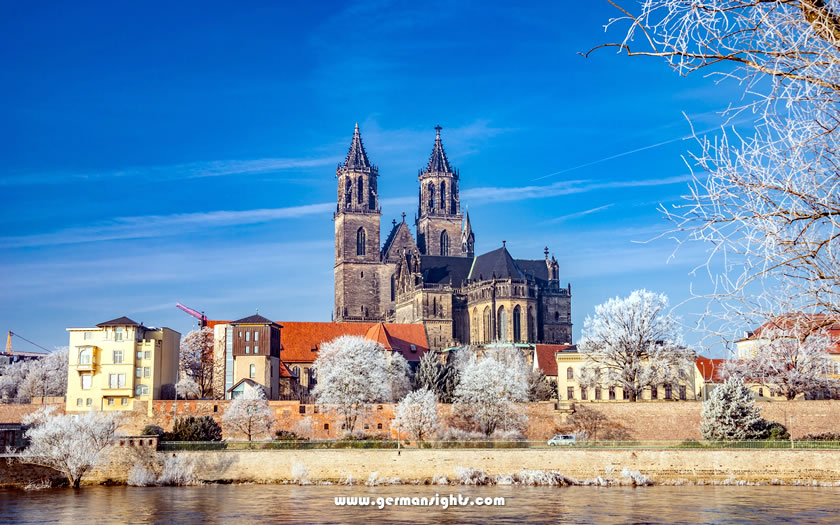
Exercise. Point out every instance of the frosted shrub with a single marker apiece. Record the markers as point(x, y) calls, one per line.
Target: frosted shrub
point(249, 414)
point(178, 470)
point(458, 434)
point(300, 474)
point(634, 477)
point(730, 413)
point(417, 414)
point(140, 476)
point(507, 435)
point(468, 476)
point(542, 478)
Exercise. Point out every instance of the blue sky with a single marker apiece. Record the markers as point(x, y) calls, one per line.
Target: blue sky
point(162, 153)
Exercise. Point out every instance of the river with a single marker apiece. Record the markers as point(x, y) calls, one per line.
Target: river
point(316, 504)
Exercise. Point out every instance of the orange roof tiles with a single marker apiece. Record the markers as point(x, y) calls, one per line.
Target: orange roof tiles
point(545, 357)
point(803, 323)
point(710, 369)
point(301, 340)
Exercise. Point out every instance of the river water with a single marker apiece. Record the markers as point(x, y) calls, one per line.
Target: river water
point(316, 504)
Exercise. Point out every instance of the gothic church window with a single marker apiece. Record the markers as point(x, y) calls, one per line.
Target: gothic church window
point(360, 241)
point(348, 191)
point(503, 336)
point(486, 327)
point(443, 196)
point(431, 197)
point(359, 190)
point(393, 286)
point(517, 324)
point(444, 243)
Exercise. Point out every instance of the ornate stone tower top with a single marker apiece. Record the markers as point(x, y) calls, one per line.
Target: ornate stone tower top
point(468, 238)
point(439, 184)
point(357, 184)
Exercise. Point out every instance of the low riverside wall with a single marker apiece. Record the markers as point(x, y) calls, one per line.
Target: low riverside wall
point(412, 464)
point(645, 420)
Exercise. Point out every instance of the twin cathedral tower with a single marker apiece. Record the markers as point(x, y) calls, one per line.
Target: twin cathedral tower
point(437, 280)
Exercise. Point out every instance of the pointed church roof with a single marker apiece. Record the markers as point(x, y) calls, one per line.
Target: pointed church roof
point(438, 161)
point(497, 263)
point(254, 319)
point(394, 235)
point(357, 157)
point(379, 334)
point(467, 226)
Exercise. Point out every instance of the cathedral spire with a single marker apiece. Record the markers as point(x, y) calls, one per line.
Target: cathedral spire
point(467, 237)
point(357, 157)
point(438, 161)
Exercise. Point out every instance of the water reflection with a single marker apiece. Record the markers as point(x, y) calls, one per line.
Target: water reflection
point(315, 504)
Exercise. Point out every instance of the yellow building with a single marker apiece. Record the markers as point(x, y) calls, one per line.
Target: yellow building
point(570, 362)
point(119, 362)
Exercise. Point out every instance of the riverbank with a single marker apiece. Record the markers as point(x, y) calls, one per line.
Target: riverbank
point(426, 466)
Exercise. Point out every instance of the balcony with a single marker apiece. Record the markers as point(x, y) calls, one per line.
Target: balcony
point(85, 367)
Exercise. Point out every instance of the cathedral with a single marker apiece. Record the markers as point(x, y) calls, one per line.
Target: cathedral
point(435, 278)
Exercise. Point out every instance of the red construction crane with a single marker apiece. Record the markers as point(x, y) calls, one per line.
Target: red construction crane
point(202, 319)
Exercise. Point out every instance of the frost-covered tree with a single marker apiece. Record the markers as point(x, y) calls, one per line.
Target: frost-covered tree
point(540, 388)
point(765, 198)
point(789, 361)
point(730, 413)
point(489, 389)
point(430, 372)
point(633, 343)
point(249, 414)
point(70, 444)
point(196, 360)
point(399, 372)
point(417, 414)
point(37, 378)
point(186, 388)
point(352, 372)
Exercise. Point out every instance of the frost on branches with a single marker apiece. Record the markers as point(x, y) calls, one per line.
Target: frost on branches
point(70, 444)
point(633, 343)
point(417, 414)
point(400, 376)
point(730, 413)
point(38, 378)
point(249, 414)
point(352, 372)
point(186, 388)
point(438, 377)
point(765, 200)
point(196, 360)
point(490, 389)
point(790, 361)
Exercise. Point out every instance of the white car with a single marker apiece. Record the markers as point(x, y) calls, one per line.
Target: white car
point(562, 439)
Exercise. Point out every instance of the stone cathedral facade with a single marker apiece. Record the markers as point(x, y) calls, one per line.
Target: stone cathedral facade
point(435, 278)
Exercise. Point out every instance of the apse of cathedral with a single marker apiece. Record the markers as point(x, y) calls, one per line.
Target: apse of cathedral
point(435, 278)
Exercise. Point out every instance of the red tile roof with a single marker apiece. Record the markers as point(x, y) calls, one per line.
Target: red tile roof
point(710, 369)
point(545, 357)
point(301, 340)
point(801, 324)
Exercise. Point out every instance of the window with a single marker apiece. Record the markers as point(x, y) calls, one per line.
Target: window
point(583, 393)
point(348, 191)
point(147, 371)
point(85, 356)
point(79, 402)
point(141, 390)
point(296, 373)
point(443, 196)
point(570, 392)
point(119, 333)
point(110, 401)
point(667, 391)
point(89, 402)
point(360, 190)
point(139, 355)
point(682, 392)
point(502, 324)
point(612, 394)
point(597, 393)
point(118, 357)
point(240, 334)
point(247, 336)
point(517, 324)
point(302, 409)
point(570, 373)
point(326, 426)
point(379, 426)
point(138, 372)
point(124, 401)
point(147, 354)
point(116, 380)
point(247, 349)
point(256, 336)
point(256, 349)
point(413, 347)
point(654, 392)
point(625, 394)
point(88, 336)
point(360, 241)
point(760, 392)
point(431, 197)
point(444, 243)
point(556, 316)
point(252, 371)
point(86, 381)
